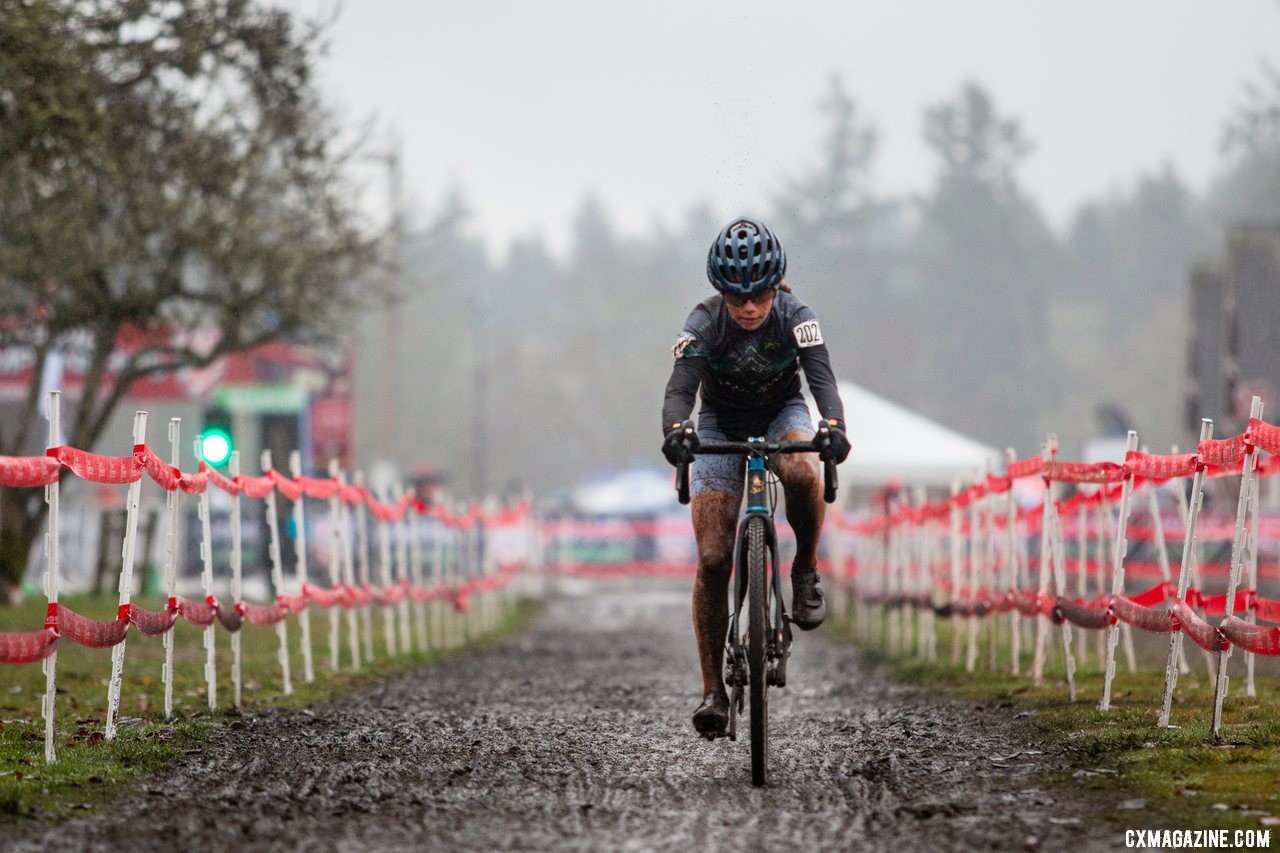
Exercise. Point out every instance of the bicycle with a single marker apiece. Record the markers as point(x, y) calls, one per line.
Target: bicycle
point(755, 662)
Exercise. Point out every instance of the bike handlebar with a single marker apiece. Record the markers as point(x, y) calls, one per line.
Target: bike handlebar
point(758, 448)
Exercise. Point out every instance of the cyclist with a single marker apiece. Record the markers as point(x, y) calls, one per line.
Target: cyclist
point(743, 349)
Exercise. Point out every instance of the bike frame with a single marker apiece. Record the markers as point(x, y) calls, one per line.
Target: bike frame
point(757, 486)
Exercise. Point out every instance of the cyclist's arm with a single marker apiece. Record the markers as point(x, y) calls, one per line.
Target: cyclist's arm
point(816, 362)
point(682, 389)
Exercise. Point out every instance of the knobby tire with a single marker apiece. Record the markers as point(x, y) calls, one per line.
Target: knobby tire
point(757, 648)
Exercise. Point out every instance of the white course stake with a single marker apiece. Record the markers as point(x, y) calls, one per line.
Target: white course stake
point(976, 571)
point(1043, 570)
point(416, 576)
point(1248, 484)
point(335, 564)
point(954, 518)
point(438, 638)
point(1126, 630)
point(277, 577)
point(1011, 570)
point(1190, 513)
point(237, 579)
point(206, 580)
point(1082, 580)
point(126, 581)
point(402, 574)
point(1250, 658)
point(1117, 574)
point(366, 610)
point(300, 552)
point(893, 573)
point(384, 578)
point(1162, 555)
point(1210, 663)
point(349, 572)
point(52, 579)
point(924, 580)
point(1058, 551)
point(171, 572)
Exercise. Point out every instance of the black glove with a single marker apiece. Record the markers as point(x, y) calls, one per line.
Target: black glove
point(679, 441)
point(832, 441)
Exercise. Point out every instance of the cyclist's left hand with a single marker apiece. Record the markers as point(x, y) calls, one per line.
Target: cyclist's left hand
point(679, 441)
point(833, 440)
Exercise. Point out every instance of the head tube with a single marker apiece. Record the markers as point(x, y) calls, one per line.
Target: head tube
point(757, 483)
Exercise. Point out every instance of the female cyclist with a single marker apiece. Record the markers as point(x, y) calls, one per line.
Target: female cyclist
point(743, 349)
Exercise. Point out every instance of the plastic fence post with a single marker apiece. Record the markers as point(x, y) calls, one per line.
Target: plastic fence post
point(920, 541)
point(349, 572)
point(461, 574)
point(52, 578)
point(1117, 574)
point(910, 581)
point(1248, 481)
point(1189, 514)
point(974, 574)
point(1126, 630)
point(366, 608)
point(1250, 658)
point(1082, 572)
point(416, 578)
point(402, 573)
point(206, 578)
point(933, 543)
point(335, 565)
point(237, 580)
point(893, 572)
point(955, 570)
point(384, 577)
point(1162, 553)
point(990, 570)
point(1042, 571)
point(879, 583)
point(441, 572)
point(1210, 662)
point(304, 576)
point(126, 581)
point(1058, 554)
point(1011, 570)
point(171, 569)
point(277, 576)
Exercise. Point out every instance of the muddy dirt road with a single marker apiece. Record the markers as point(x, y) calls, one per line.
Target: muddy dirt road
point(577, 736)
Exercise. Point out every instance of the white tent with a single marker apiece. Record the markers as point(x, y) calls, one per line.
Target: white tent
point(892, 444)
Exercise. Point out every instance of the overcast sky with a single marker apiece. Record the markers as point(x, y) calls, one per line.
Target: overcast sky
point(529, 106)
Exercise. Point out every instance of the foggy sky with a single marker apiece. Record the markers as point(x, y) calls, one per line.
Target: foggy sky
point(529, 106)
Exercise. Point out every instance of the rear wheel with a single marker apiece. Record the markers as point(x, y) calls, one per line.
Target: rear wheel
point(757, 648)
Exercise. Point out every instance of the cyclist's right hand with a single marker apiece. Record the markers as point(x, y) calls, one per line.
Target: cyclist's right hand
point(679, 442)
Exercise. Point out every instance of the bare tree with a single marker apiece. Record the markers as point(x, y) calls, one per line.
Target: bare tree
point(167, 176)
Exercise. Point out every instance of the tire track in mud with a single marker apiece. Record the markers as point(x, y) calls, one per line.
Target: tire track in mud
point(577, 736)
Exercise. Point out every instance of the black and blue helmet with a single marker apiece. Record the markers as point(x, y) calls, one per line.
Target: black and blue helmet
point(746, 258)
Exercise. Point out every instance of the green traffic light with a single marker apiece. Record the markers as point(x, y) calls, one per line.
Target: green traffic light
point(215, 446)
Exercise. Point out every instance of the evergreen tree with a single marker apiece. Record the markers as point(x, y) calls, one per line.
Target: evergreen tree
point(986, 263)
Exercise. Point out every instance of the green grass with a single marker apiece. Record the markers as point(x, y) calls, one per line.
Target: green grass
point(1187, 778)
point(90, 770)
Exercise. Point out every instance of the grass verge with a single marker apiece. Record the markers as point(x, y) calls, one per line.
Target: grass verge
point(91, 770)
point(1141, 776)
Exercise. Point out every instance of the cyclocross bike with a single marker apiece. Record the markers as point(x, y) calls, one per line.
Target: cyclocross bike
point(756, 658)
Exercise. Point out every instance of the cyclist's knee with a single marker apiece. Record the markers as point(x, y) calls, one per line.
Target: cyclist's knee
point(713, 524)
point(800, 472)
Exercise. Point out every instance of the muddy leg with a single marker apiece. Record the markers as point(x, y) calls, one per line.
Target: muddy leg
point(801, 477)
point(714, 517)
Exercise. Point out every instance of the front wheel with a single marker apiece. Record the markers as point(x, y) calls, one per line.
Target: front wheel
point(757, 647)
